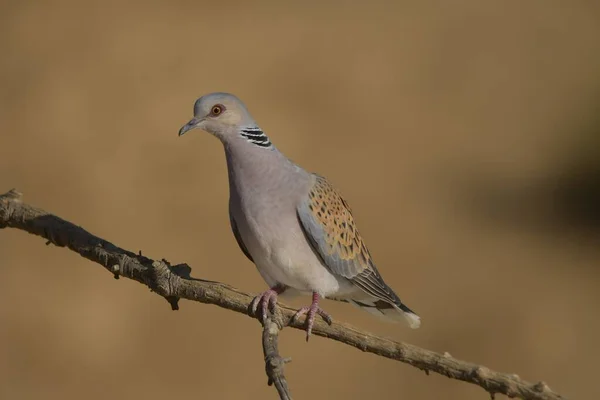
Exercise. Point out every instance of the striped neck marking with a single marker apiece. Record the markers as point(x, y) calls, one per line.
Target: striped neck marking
point(256, 136)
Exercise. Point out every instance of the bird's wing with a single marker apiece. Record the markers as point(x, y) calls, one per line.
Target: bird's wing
point(238, 237)
point(328, 224)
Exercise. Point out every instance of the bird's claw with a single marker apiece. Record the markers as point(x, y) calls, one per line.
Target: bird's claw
point(267, 301)
point(311, 311)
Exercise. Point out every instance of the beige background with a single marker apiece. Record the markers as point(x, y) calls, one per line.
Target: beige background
point(444, 125)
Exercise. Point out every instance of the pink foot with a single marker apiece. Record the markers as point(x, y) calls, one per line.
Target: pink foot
point(311, 312)
point(267, 301)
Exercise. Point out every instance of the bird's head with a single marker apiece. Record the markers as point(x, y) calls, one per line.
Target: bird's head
point(220, 114)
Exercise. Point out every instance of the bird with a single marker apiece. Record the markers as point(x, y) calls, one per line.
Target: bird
point(294, 225)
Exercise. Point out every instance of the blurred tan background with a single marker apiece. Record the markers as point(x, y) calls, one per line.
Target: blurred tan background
point(464, 135)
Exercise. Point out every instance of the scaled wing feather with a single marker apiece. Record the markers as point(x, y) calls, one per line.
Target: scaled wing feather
point(329, 227)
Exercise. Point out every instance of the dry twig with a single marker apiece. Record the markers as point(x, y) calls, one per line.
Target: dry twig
point(174, 282)
point(273, 361)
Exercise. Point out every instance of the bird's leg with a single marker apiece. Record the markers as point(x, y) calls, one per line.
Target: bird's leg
point(311, 312)
point(267, 300)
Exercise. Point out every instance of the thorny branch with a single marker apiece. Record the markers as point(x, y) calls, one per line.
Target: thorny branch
point(174, 282)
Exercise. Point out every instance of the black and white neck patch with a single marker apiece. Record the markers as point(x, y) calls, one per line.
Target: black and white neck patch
point(256, 136)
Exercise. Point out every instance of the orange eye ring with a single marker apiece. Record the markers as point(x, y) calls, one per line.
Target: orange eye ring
point(216, 110)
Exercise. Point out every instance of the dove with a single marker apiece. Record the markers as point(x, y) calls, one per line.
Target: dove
point(292, 224)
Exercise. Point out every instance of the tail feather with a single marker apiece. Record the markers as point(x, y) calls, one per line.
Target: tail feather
point(389, 312)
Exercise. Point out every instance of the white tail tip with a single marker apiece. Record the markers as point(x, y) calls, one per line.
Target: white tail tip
point(413, 320)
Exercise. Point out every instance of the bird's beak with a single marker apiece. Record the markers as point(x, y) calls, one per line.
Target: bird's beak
point(190, 125)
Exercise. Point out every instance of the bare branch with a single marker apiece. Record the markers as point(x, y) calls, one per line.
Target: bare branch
point(174, 282)
point(273, 361)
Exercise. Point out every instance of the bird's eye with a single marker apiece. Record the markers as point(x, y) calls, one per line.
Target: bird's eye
point(216, 110)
